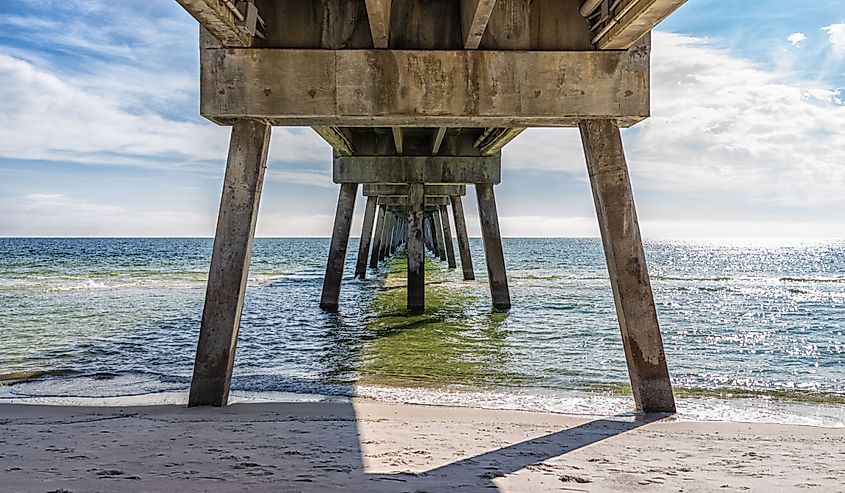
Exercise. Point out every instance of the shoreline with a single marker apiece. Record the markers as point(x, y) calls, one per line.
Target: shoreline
point(576, 404)
point(362, 445)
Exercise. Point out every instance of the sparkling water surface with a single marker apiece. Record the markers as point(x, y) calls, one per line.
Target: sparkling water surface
point(115, 317)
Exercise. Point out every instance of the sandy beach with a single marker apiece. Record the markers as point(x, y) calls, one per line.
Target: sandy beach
point(368, 446)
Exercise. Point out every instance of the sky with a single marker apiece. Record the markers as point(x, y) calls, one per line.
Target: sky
point(101, 135)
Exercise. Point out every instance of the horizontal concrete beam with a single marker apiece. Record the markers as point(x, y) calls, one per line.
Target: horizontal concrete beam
point(403, 201)
point(407, 169)
point(382, 190)
point(390, 88)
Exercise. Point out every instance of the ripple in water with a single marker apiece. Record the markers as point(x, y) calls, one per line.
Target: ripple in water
point(763, 324)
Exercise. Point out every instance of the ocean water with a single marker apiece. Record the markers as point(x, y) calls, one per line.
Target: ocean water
point(753, 330)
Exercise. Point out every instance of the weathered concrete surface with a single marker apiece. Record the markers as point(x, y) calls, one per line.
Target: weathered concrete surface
point(404, 170)
point(626, 264)
point(400, 201)
point(230, 256)
point(463, 239)
point(366, 237)
point(377, 238)
point(447, 237)
point(337, 249)
point(395, 88)
point(493, 253)
point(383, 190)
point(415, 249)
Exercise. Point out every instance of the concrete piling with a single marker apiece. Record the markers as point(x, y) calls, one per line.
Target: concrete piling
point(414, 248)
point(626, 264)
point(337, 248)
point(366, 237)
point(377, 237)
point(447, 236)
point(438, 234)
point(230, 256)
point(463, 239)
point(493, 251)
point(385, 239)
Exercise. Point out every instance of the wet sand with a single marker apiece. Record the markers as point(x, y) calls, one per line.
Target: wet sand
point(368, 446)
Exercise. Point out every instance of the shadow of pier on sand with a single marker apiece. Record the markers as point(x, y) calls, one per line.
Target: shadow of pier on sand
point(296, 447)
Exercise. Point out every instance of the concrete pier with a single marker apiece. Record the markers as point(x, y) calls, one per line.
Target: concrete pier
point(337, 248)
point(366, 236)
point(447, 236)
point(415, 248)
point(493, 252)
point(415, 97)
point(463, 239)
point(626, 264)
point(224, 297)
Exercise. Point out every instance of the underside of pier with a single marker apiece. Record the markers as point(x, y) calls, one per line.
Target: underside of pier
point(417, 99)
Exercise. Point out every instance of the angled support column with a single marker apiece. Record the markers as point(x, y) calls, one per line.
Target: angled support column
point(416, 248)
point(337, 250)
point(366, 237)
point(377, 235)
point(626, 264)
point(230, 256)
point(463, 239)
point(438, 235)
point(493, 246)
point(447, 236)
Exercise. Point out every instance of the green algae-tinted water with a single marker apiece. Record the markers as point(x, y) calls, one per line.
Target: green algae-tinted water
point(106, 317)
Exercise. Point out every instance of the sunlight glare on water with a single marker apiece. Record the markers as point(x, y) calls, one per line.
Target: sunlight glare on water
point(111, 317)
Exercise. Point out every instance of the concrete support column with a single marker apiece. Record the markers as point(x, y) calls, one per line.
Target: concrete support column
point(493, 246)
point(463, 239)
point(626, 264)
point(435, 245)
point(438, 235)
point(377, 235)
point(366, 236)
point(385, 239)
point(415, 248)
point(426, 234)
point(230, 257)
point(447, 236)
point(337, 249)
point(403, 233)
point(392, 243)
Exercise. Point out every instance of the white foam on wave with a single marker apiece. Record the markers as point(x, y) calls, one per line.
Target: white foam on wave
point(123, 390)
point(755, 410)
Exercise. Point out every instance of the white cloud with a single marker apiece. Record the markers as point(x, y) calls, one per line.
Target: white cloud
point(836, 33)
point(796, 38)
point(50, 214)
point(723, 124)
point(720, 124)
point(320, 179)
point(86, 120)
